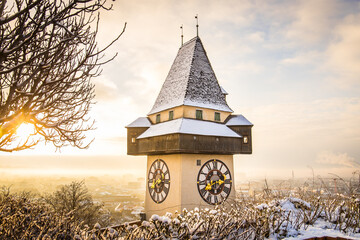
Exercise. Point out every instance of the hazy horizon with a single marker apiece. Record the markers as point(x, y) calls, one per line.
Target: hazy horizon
point(67, 165)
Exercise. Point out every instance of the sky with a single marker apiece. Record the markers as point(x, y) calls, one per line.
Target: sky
point(290, 67)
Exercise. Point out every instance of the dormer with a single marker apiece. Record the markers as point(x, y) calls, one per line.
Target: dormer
point(223, 92)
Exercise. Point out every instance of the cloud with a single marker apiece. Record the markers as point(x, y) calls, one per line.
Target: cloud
point(302, 58)
point(324, 35)
point(239, 13)
point(311, 21)
point(343, 55)
point(105, 89)
point(247, 67)
point(289, 135)
point(117, 139)
point(340, 159)
point(320, 118)
point(255, 37)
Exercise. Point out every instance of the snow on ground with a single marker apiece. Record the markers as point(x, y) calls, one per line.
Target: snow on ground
point(321, 228)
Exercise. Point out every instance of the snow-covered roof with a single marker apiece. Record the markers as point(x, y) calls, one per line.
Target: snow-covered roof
point(191, 81)
point(189, 126)
point(223, 91)
point(140, 122)
point(238, 120)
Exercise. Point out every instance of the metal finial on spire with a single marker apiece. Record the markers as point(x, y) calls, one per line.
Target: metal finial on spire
point(197, 25)
point(182, 35)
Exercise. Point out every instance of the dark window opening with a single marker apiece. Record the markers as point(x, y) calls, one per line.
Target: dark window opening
point(199, 114)
point(171, 115)
point(157, 118)
point(217, 116)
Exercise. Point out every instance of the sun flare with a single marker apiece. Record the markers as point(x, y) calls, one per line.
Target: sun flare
point(25, 130)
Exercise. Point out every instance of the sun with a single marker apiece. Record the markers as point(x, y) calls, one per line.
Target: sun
point(25, 130)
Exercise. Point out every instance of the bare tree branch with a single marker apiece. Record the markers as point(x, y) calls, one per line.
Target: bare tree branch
point(48, 54)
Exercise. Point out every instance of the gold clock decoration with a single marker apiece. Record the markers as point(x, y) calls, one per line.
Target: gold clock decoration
point(214, 182)
point(158, 181)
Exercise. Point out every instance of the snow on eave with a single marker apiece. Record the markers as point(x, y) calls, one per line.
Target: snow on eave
point(164, 108)
point(223, 91)
point(207, 128)
point(193, 104)
point(238, 120)
point(140, 122)
point(223, 108)
point(189, 126)
point(163, 128)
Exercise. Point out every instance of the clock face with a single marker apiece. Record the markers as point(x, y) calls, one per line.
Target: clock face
point(158, 181)
point(214, 182)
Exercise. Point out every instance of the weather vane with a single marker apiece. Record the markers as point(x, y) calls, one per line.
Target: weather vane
point(182, 35)
point(197, 25)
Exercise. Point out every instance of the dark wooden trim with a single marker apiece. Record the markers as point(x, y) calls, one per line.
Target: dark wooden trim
point(186, 143)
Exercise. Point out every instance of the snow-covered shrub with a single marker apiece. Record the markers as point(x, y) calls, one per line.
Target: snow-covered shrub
point(262, 217)
point(23, 217)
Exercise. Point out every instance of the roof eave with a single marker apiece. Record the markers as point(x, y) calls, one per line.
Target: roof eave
point(168, 108)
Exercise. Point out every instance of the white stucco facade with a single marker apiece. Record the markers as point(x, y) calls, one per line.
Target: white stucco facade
point(183, 191)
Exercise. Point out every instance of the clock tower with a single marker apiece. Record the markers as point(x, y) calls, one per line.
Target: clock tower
point(189, 136)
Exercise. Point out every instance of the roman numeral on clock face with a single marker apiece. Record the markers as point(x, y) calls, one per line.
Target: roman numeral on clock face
point(203, 182)
point(208, 166)
point(166, 190)
point(208, 198)
point(158, 181)
point(214, 182)
point(214, 164)
point(202, 192)
point(226, 190)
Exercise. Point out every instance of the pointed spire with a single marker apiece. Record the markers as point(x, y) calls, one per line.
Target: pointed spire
point(191, 82)
point(182, 35)
point(197, 25)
